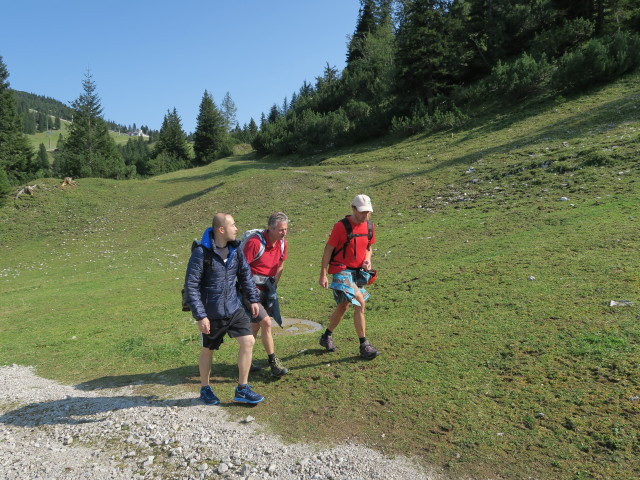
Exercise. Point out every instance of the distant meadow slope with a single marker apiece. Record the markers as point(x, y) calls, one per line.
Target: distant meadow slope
point(506, 305)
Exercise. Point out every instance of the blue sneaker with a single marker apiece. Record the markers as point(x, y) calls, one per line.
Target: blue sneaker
point(246, 395)
point(208, 397)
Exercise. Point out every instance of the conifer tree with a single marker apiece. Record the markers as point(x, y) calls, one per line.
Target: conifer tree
point(15, 152)
point(28, 123)
point(5, 188)
point(252, 129)
point(211, 131)
point(366, 24)
point(171, 151)
point(229, 110)
point(43, 159)
point(426, 58)
point(89, 150)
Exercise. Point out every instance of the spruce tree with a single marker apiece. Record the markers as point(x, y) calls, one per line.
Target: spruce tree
point(171, 151)
point(211, 131)
point(28, 123)
point(366, 24)
point(89, 150)
point(43, 159)
point(15, 152)
point(427, 59)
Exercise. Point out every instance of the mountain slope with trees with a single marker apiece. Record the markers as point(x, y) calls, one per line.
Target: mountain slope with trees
point(411, 66)
point(424, 65)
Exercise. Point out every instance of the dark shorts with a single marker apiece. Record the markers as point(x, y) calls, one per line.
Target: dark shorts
point(236, 326)
point(264, 311)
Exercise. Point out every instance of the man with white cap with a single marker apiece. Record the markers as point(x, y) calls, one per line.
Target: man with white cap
point(347, 256)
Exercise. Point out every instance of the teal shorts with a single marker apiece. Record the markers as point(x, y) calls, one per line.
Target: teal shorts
point(344, 287)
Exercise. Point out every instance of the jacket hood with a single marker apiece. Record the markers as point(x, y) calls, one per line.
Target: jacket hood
point(206, 238)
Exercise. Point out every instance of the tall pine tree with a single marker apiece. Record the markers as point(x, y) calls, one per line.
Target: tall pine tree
point(171, 150)
point(211, 131)
point(15, 152)
point(89, 150)
point(428, 56)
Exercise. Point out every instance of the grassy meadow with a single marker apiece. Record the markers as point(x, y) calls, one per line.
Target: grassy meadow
point(500, 247)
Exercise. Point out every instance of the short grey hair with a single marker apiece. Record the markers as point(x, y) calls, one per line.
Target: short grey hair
point(276, 218)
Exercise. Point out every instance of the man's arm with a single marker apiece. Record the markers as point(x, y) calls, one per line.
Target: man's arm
point(193, 278)
point(326, 258)
point(279, 272)
point(366, 264)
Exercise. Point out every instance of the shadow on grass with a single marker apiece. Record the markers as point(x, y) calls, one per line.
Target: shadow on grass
point(193, 196)
point(227, 172)
point(323, 358)
point(76, 410)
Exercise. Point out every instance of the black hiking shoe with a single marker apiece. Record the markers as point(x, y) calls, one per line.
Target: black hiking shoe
point(367, 351)
point(277, 368)
point(326, 341)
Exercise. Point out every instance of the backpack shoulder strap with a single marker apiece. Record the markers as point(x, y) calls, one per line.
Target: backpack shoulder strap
point(347, 226)
point(349, 229)
point(263, 242)
point(208, 254)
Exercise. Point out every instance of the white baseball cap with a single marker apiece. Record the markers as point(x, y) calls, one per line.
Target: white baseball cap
point(362, 203)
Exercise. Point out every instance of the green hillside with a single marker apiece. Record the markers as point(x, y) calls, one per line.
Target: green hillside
point(500, 248)
point(50, 139)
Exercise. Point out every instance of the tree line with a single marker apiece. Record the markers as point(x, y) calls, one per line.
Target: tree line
point(411, 66)
point(418, 65)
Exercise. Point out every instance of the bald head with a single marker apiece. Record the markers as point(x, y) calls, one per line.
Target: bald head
point(219, 220)
point(224, 229)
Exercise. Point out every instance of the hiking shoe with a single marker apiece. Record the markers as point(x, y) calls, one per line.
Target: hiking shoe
point(246, 395)
point(326, 341)
point(277, 368)
point(367, 351)
point(254, 368)
point(208, 397)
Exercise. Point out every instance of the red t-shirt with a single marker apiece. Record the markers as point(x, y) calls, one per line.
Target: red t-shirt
point(356, 250)
point(270, 260)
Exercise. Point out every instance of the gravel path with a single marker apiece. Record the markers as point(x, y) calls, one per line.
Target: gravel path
point(53, 431)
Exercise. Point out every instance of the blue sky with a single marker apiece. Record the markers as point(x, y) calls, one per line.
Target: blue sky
point(149, 57)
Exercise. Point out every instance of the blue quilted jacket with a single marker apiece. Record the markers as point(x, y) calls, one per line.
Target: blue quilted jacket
point(211, 286)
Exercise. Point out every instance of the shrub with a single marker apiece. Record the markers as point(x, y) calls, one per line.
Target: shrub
point(522, 77)
point(420, 121)
point(600, 60)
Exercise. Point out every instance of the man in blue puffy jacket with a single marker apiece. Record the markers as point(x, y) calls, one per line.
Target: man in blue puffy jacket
point(210, 286)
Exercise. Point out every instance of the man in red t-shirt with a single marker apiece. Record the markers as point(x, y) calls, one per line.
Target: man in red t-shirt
point(347, 255)
point(266, 268)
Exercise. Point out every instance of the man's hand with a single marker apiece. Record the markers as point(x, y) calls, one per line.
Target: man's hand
point(204, 326)
point(255, 309)
point(366, 264)
point(323, 281)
